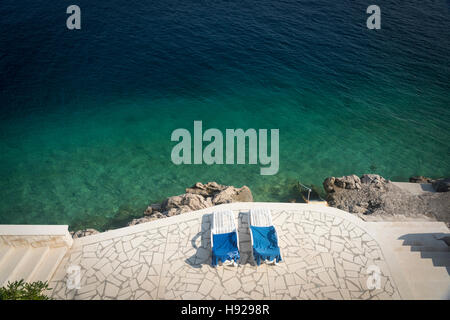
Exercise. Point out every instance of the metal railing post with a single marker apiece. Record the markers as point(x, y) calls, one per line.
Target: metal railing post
point(307, 188)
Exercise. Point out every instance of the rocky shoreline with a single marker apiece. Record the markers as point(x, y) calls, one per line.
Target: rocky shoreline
point(371, 197)
point(374, 198)
point(199, 196)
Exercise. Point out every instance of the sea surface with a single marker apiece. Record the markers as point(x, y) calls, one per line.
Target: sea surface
point(86, 115)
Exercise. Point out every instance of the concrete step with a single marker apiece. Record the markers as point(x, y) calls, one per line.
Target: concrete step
point(438, 258)
point(422, 249)
point(29, 264)
point(430, 249)
point(49, 264)
point(428, 282)
point(425, 266)
point(427, 272)
point(414, 257)
point(4, 251)
point(425, 240)
point(415, 188)
point(431, 289)
point(10, 263)
point(432, 256)
point(417, 260)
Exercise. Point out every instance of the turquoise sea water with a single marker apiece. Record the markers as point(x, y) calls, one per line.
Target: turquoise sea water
point(87, 115)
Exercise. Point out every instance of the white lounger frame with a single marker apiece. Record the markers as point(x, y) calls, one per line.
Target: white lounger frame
point(223, 222)
point(260, 217)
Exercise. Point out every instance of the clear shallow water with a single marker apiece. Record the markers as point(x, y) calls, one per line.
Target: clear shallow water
point(87, 115)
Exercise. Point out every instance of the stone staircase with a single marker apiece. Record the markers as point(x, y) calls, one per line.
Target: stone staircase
point(29, 264)
point(31, 253)
point(425, 261)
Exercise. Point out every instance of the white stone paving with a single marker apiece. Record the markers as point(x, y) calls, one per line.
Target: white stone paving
point(325, 256)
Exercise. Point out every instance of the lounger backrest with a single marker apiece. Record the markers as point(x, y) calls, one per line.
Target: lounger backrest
point(260, 217)
point(223, 222)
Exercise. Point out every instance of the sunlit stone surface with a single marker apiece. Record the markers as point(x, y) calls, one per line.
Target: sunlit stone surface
point(324, 257)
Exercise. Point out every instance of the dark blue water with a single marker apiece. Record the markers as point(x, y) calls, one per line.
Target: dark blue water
point(86, 115)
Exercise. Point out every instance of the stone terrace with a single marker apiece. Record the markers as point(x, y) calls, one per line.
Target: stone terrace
point(326, 253)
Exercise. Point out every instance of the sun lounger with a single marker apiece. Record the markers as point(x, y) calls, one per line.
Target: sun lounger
point(263, 237)
point(224, 239)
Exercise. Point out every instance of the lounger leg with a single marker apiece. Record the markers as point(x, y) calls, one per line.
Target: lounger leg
point(228, 263)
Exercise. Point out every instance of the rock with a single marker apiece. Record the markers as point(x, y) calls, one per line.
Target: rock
point(232, 194)
point(420, 179)
point(148, 211)
point(442, 185)
point(358, 209)
point(339, 182)
point(328, 184)
point(154, 216)
point(199, 196)
point(173, 212)
point(243, 194)
point(202, 196)
point(346, 182)
point(376, 198)
point(189, 200)
point(139, 220)
point(177, 211)
point(156, 206)
point(354, 194)
point(206, 190)
point(224, 196)
point(375, 180)
point(83, 233)
point(352, 182)
point(196, 201)
point(172, 202)
point(185, 203)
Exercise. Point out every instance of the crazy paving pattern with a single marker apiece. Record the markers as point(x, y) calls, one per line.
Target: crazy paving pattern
point(324, 257)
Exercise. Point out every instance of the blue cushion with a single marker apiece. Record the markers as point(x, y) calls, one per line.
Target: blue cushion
point(265, 244)
point(225, 248)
